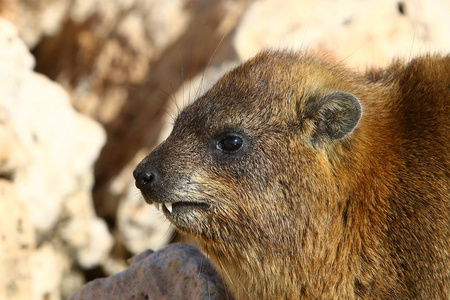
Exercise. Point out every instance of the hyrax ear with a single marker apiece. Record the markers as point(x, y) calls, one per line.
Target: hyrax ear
point(334, 116)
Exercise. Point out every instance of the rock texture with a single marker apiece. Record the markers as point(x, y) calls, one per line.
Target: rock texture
point(47, 150)
point(132, 65)
point(370, 33)
point(177, 271)
point(17, 242)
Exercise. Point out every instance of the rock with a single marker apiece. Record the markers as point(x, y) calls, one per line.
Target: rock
point(47, 267)
point(84, 233)
point(177, 271)
point(37, 19)
point(369, 34)
point(57, 143)
point(47, 152)
point(17, 243)
point(141, 225)
point(12, 155)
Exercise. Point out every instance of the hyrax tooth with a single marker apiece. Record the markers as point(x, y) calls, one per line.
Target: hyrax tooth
point(168, 206)
point(156, 204)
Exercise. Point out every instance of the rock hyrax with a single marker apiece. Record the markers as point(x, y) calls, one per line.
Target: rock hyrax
point(302, 179)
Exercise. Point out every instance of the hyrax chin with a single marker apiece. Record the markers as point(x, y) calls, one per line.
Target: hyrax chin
point(304, 180)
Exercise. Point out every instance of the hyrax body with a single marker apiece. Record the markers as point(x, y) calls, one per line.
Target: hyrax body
point(304, 180)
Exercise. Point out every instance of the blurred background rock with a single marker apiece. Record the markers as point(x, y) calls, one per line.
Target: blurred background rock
point(89, 87)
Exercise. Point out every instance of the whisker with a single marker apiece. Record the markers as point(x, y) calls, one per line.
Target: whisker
point(167, 108)
point(200, 86)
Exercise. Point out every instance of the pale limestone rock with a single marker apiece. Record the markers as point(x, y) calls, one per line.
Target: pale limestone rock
point(362, 34)
point(141, 225)
point(17, 243)
point(177, 271)
point(46, 267)
point(126, 37)
point(61, 144)
point(38, 18)
point(46, 157)
point(17, 236)
point(99, 243)
point(87, 235)
point(60, 150)
point(12, 154)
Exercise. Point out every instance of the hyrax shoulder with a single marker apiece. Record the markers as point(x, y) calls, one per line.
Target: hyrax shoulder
point(302, 179)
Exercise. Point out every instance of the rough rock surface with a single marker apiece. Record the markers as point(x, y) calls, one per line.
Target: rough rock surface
point(141, 225)
point(369, 33)
point(178, 271)
point(47, 150)
point(17, 242)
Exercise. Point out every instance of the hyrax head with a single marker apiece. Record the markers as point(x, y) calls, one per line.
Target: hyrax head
point(249, 159)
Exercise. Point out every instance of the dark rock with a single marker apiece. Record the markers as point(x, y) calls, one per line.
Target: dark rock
point(178, 271)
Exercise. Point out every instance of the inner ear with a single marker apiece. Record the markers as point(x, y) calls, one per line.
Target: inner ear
point(334, 115)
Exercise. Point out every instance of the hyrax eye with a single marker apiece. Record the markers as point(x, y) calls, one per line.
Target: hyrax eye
point(230, 143)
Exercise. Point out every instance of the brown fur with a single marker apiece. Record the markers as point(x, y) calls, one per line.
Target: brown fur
point(298, 214)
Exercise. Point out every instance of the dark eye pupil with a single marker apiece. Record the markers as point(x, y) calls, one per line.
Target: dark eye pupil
point(230, 143)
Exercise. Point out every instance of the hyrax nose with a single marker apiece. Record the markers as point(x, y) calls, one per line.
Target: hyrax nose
point(144, 178)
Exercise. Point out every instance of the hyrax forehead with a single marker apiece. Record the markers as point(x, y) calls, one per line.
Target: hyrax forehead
point(270, 89)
